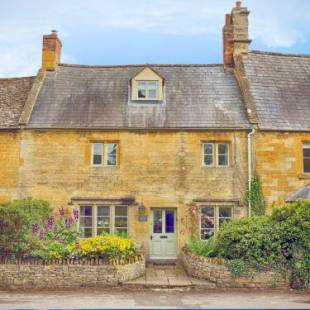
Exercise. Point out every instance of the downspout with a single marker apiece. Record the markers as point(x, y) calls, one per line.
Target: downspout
point(250, 164)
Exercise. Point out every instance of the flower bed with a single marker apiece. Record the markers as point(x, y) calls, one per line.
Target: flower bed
point(37, 274)
point(216, 271)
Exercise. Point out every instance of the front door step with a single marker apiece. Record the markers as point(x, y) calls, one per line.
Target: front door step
point(161, 262)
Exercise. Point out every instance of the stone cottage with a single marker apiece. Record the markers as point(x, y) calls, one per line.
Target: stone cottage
point(137, 147)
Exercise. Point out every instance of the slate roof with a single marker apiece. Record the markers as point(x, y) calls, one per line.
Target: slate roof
point(280, 89)
point(303, 194)
point(13, 95)
point(196, 96)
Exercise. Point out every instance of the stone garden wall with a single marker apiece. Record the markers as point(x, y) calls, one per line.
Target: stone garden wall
point(215, 270)
point(72, 274)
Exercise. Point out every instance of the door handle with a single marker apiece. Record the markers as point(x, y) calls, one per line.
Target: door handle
point(163, 237)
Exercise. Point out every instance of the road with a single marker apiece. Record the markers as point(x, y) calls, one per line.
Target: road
point(120, 298)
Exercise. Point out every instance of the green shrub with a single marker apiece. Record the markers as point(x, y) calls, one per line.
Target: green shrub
point(52, 249)
point(279, 241)
point(201, 247)
point(255, 239)
point(294, 222)
point(16, 218)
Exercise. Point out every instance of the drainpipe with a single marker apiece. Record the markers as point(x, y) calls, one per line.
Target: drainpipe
point(250, 155)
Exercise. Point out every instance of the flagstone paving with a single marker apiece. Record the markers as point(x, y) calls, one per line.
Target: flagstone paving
point(167, 276)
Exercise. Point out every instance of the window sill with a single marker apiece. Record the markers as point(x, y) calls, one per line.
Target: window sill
point(304, 176)
point(104, 167)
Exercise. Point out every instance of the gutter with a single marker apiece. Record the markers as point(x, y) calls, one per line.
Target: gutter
point(250, 164)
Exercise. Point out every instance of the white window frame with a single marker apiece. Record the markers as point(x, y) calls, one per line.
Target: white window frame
point(147, 97)
point(95, 217)
point(104, 151)
point(215, 162)
point(306, 145)
point(216, 216)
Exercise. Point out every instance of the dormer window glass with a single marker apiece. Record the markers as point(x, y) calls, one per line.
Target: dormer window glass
point(147, 90)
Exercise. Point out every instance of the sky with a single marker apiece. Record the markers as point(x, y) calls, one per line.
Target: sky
point(108, 32)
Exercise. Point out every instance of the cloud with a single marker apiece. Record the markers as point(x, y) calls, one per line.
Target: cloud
point(276, 23)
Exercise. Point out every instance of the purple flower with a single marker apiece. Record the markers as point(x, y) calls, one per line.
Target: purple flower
point(76, 214)
point(62, 212)
point(50, 221)
point(35, 229)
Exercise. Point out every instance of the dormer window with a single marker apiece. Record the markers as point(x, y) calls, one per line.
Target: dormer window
point(147, 86)
point(148, 90)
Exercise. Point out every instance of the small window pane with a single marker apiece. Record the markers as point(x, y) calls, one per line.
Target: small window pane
point(152, 93)
point(103, 211)
point(152, 85)
point(223, 160)
point(306, 154)
point(103, 220)
point(111, 154)
point(222, 154)
point(207, 233)
point(141, 90)
point(225, 212)
point(102, 231)
point(208, 154)
point(208, 160)
point(169, 221)
point(97, 154)
point(207, 223)
point(307, 165)
point(222, 148)
point(157, 224)
point(121, 222)
point(86, 221)
point(86, 211)
point(141, 93)
point(209, 211)
point(85, 232)
point(121, 211)
point(208, 148)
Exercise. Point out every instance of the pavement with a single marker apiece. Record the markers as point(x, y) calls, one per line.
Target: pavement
point(158, 298)
point(167, 276)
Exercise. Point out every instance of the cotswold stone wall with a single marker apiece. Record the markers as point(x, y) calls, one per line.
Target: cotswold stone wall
point(35, 275)
point(279, 162)
point(214, 270)
point(168, 173)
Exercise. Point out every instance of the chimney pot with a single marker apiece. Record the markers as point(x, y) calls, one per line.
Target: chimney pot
point(238, 4)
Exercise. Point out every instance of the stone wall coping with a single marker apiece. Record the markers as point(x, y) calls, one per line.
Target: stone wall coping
point(73, 261)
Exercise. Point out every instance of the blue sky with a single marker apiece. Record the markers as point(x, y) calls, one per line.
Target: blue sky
point(135, 31)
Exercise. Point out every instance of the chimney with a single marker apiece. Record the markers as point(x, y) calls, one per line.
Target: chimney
point(235, 34)
point(51, 51)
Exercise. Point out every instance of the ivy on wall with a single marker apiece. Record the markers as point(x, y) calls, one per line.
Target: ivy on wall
point(255, 197)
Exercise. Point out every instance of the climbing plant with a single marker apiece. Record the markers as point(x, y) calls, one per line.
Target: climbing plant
point(255, 197)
